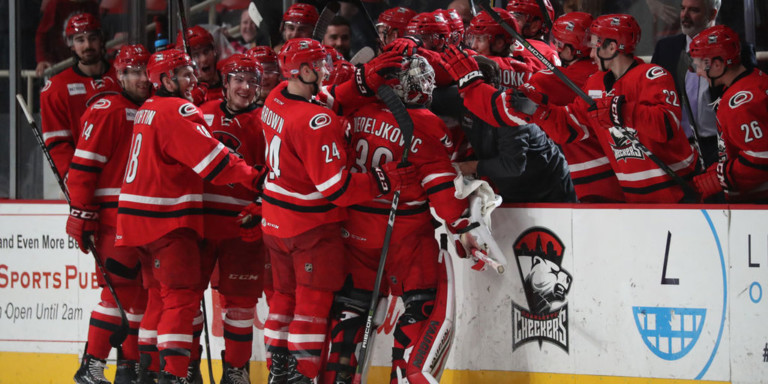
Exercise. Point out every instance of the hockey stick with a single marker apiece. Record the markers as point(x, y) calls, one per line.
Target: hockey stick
point(398, 110)
point(545, 14)
point(364, 55)
point(372, 24)
point(207, 340)
point(472, 8)
point(687, 189)
point(329, 12)
point(118, 336)
point(183, 21)
point(253, 12)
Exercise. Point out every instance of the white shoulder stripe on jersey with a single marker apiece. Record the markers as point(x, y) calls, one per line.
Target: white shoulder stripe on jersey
point(107, 192)
point(588, 164)
point(62, 133)
point(645, 175)
point(208, 159)
point(215, 198)
point(90, 156)
point(272, 187)
point(160, 200)
point(760, 155)
point(330, 182)
point(433, 176)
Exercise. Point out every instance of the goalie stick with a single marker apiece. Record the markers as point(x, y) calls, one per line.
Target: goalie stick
point(324, 20)
point(118, 336)
point(398, 110)
point(687, 189)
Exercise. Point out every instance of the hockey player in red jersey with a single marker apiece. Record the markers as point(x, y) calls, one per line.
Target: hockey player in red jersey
point(307, 183)
point(742, 171)
point(640, 97)
point(238, 277)
point(161, 201)
point(94, 181)
point(203, 52)
point(534, 29)
point(392, 22)
point(486, 37)
point(270, 76)
point(65, 97)
point(298, 22)
point(455, 24)
point(591, 172)
point(413, 269)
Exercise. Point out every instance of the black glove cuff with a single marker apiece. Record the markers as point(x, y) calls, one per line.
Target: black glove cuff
point(83, 214)
point(617, 117)
point(470, 78)
point(382, 180)
point(362, 86)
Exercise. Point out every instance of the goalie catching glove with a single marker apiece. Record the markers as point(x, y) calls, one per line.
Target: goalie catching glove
point(473, 238)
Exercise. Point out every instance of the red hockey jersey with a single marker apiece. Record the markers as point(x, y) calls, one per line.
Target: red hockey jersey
point(63, 100)
point(591, 172)
point(241, 134)
point(308, 178)
point(96, 171)
point(376, 139)
point(546, 50)
point(742, 117)
point(171, 154)
point(513, 72)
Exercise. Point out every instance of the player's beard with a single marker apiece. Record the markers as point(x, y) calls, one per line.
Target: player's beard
point(689, 27)
point(89, 57)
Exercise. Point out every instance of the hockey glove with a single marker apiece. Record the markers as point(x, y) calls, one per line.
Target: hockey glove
point(373, 74)
point(250, 220)
point(540, 113)
point(609, 112)
point(404, 46)
point(391, 177)
point(82, 226)
point(257, 183)
point(711, 181)
point(198, 93)
point(462, 68)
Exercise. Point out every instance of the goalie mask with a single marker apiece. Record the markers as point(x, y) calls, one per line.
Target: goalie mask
point(416, 81)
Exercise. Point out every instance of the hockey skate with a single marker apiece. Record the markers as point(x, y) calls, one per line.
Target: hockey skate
point(233, 375)
point(194, 376)
point(127, 372)
point(282, 365)
point(145, 376)
point(167, 378)
point(91, 371)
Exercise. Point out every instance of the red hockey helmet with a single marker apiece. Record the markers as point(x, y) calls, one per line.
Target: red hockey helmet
point(333, 53)
point(301, 13)
point(484, 25)
point(455, 24)
point(618, 27)
point(238, 63)
point(395, 19)
point(131, 56)
point(431, 28)
point(80, 23)
point(531, 10)
point(342, 71)
point(265, 56)
point(166, 62)
point(571, 29)
point(300, 51)
point(197, 36)
point(718, 41)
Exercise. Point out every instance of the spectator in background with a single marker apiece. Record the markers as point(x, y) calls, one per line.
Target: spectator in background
point(50, 46)
point(338, 35)
point(249, 31)
point(672, 54)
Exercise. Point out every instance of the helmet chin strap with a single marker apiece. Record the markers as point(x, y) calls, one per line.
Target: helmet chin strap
point(315, 88)
point(604, 59)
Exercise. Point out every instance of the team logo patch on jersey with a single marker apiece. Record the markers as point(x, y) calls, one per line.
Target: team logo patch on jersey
point(655, 73)
point(130, 114)
point(539, 254)
point(740, 98)
point(76, 89)
point(229, 140)
point(187, 109)
point(101, 104)
point(320, 120)
point(623, 147)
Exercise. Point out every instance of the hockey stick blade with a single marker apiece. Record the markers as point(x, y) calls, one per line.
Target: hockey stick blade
point(119, 335)
point(324, 20)
point(364, 55)
point(253, 12)
point(495, 16)
point(395, 105)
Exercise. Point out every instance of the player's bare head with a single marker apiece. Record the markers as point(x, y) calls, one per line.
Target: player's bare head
point(305, 61)
point(611, 35)
point(173, 72)
point(248, 29)
point(416, 81)
point(242, 79)
point(131, 67)
point(697, 15)
point(714, 50)
point(84, 36)
point(202, 51)
point(299, 21)
point(270, 75)
point(487, 37)
point(528, 14)
point(569, 33)
point(392, 22)
point(431, 28)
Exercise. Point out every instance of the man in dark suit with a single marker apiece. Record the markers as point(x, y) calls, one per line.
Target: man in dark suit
point(692, 92)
